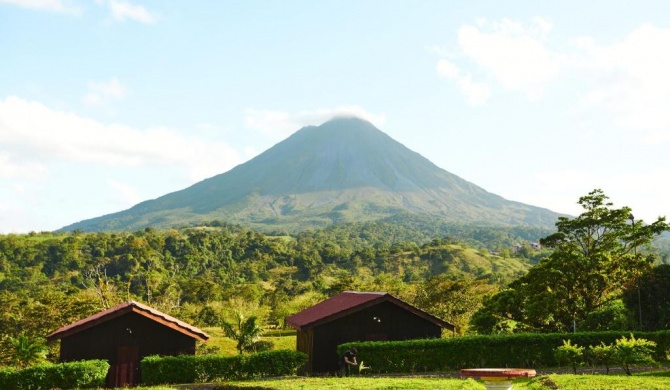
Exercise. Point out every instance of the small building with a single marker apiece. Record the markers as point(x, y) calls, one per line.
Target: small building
point(358, 316)
point(123, 335)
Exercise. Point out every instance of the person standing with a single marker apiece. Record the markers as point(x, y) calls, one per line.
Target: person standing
point(347, 360)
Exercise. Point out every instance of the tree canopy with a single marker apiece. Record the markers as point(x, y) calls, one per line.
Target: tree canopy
point(595, 256)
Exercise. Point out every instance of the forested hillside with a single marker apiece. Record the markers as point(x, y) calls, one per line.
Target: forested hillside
point(204, 274)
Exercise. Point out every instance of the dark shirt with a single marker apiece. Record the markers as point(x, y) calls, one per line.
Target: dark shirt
point(348, 355)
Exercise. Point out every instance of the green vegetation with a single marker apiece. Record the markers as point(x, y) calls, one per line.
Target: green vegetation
point(651, 381)
point(205, 275)
point(353, 383)
point(26, 351)
point(633, 351)
point(598, 275)
point(192, 369)
point(594, 259)
point(531, 350)
point(570, 353)
point(247, 333)
point(601, 354)
point(598, 382)
point(86, 374)
point(647, 381)
point(625, 351)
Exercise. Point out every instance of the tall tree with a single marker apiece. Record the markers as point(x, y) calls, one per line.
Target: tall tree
point(648, 298)
point(595, 255)
point(453, 300)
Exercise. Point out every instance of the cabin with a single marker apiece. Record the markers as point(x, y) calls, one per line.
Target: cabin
point(358, 316)
point(123, 335)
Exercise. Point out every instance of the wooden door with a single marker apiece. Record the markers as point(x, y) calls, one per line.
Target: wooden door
point(127, 366)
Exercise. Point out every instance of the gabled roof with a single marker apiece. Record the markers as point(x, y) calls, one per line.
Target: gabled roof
point(349, 302)
point(122, 309)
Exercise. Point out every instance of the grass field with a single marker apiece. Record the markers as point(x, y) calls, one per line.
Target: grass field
point(282, 339)
point(286, 339)
point(645, 381)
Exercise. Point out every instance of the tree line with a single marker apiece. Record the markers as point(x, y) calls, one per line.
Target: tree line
point(206, 274)
point(596, 271)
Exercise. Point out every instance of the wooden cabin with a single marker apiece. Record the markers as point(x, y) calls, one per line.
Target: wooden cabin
point(123, 335)
point(358, 316)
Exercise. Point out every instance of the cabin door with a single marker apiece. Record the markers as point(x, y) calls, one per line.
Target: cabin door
point(127, 366)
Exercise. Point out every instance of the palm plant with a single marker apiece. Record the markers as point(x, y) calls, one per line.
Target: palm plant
point(246, 332)
point(27, 350)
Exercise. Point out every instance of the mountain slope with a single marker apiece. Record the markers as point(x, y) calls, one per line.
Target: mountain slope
point(344, 170)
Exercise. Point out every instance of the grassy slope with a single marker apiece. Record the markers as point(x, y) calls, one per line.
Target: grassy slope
point(281, 340)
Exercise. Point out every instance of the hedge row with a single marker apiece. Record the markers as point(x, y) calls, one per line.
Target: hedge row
point(515, 350)
point(75, 375)
point(192, 369)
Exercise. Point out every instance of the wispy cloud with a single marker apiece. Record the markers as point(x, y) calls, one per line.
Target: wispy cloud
point(122, 10)
point(101, 92)
point(511, 53)
point(44, 136)
point(10, 168)
point(625, 82)
point(632, 82)
point(46, 5)
point(475, 93)
point(278, 124)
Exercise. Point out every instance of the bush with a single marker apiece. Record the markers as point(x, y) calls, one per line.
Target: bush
point(603, 354)
point(514, 350)
point(570, 353)
point(191, 369)
point(8, 378)
point(633, 351)
point(84, 374)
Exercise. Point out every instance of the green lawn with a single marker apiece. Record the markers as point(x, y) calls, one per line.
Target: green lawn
point(646, 381)
point(282, 339)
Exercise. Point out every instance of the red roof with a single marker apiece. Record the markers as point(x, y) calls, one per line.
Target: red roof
point(349, 302)
point(124, 308)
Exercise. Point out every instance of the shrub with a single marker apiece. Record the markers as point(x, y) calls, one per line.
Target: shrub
point(84, 374)
point(603, 353)
point(513, 350)
point(207, 368)
point(8, 378)
point(570, 353)
point(633, 351)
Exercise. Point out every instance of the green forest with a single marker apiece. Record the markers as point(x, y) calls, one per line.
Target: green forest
point(480, 279)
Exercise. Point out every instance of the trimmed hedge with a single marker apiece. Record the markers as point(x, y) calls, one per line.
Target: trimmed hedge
point(74, 375)
point(158, 370)
point(516, 350)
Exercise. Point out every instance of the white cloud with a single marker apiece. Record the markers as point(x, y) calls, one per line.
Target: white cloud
point(475, 93)
point(632, 79)
point(45, 5)
point(44, 135)
point(626, 82)
point(278, 124)
point(512, 53)
point(122, 10)
point(101, 92)
point(12, 169)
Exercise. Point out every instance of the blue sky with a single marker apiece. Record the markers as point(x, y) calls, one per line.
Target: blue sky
point(107, 103)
